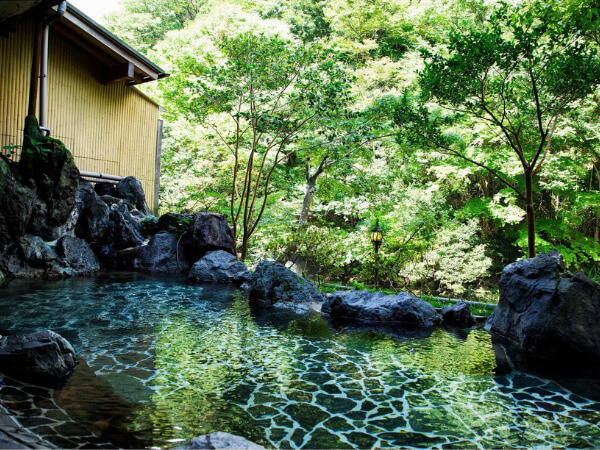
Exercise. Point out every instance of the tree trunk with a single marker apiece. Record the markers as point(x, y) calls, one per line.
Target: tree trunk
point(245, 242)
point(234, 232)
point(311, 189)
point(530, 212)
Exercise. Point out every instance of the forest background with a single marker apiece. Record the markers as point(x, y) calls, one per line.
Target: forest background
point(307, 121)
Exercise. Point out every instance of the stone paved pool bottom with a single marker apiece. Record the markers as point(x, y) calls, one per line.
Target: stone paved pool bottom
point(162, 362)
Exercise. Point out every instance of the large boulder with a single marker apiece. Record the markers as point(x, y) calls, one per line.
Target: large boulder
point(16, 206)
point(547, 314)
point(208, 232)
point(109, 229)
point(374, 307)
point(458, 315)
point(35, 251)
point(220, 440)
point(76, 254)
point(219, 267)
point(47, 165)
point(274, 284)
point(43, 357)
point(163, 254)
point(13, 264)
point(133, 221)
point(130, 188)
point(94, 214)
point(118, 234)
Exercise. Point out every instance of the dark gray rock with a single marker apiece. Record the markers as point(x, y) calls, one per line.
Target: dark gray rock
point(35, 251)
point(118, 234)
point(105, 188)
point(276, 285)
point(133, 218)
point(161, 255)
point(57, 271)
point(138, 215)
point(110, 200)
point(76, 254)
point(62, 201)
point(374, 307)
point(16, 207)
point(207, 232)
point(219, 267)
point(84, 196)
point(33, 257)
point(54, 176)
point(94, 214)
point(108, 229)
point(43, 357)
point(548, 314)
point(458, 315)
point(37, 222)
point(130, 189)
point(14, 266)
point(220, 440)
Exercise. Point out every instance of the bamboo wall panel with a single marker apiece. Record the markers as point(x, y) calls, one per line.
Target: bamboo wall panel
point(15, 67)
point(110, 129)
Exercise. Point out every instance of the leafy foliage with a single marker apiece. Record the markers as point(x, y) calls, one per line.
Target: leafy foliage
point(427, 115)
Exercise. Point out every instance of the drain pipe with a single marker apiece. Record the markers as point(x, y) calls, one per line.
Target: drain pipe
point(60, 11)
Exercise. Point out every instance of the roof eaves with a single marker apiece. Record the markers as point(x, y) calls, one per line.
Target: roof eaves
point(110, 36)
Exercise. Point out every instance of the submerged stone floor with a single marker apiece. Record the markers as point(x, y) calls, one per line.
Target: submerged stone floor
point(162, 362)
point(14, 435)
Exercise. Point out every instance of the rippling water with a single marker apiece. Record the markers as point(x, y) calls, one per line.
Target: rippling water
point(162, 362)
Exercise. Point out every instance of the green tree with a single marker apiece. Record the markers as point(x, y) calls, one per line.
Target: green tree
point(308, 20)
point(518, 75)
point(269, 90)
point(142, 23)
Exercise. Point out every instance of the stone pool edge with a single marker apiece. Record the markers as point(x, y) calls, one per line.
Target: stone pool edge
point(13, 435)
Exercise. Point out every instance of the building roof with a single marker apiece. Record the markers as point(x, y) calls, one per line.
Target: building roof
point(122, 61)
point(14, 8)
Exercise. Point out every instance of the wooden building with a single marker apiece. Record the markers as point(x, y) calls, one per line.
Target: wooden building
point(91, 102)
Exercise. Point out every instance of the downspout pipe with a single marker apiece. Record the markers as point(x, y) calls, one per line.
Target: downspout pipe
point(60, 11)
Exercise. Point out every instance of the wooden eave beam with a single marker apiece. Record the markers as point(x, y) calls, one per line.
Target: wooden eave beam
point(75, 39)
point(121, 72)
point(87, 32)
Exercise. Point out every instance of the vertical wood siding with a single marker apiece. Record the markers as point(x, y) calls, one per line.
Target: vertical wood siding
point(110, 129)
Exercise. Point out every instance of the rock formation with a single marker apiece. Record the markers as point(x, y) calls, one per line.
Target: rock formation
point(458, 315)
point(219, 267)
point(44, 358)
point(403, 309)
point(273, 284)
point(547, 314)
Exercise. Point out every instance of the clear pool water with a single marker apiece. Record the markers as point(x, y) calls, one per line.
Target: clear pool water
point(162, 362)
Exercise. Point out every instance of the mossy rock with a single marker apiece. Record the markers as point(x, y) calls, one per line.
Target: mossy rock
point(49, 167)
point(4, 169)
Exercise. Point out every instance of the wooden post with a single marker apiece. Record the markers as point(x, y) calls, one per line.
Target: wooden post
point(159, 134)
point(35, 70)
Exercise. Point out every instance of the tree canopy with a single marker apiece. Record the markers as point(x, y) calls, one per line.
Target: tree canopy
point(469, 129)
